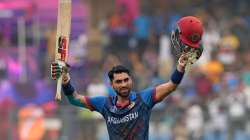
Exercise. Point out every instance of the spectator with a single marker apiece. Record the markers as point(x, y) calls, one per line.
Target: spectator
point(195, 121)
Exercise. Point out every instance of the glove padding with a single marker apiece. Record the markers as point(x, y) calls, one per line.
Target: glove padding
point(192, 54)
point(58, 68)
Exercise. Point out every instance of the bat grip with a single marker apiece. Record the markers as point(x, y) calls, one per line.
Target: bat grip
point(59, 89)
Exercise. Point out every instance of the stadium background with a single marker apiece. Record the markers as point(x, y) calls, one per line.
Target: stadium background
point(212, 103)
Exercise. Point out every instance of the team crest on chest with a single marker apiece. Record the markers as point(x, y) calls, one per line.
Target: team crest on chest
point(132, 104)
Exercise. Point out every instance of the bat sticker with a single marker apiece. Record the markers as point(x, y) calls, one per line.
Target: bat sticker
point(62, 48)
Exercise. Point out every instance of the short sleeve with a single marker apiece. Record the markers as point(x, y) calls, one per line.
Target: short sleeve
point(96, 103)
point(148, 96)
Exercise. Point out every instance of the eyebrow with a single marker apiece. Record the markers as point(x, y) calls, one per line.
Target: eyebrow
point(125, 79)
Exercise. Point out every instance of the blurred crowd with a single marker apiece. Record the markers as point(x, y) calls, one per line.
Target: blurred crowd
point(212, 102)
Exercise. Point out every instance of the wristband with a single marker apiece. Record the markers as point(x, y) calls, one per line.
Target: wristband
point(68, 89)
point(177, 77)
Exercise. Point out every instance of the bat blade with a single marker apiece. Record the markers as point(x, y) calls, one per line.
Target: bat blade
point(62, 38)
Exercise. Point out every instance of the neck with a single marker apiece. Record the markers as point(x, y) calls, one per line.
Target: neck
point(122, 100)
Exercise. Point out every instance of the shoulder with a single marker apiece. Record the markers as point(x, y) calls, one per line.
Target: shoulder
point(98, 102)
point(148, 96)
point(147, 91)
point(133, 95)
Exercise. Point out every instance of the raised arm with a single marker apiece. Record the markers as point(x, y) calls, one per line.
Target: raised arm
point(70, 92)
point(165, 89)
point(75, 98)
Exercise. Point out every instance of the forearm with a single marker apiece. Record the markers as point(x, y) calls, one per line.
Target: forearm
point(177, 75)
point(74, 100)
point(73, 97)
point(165, 89)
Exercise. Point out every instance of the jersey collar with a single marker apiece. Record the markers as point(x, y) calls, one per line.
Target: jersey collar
point(132, 98)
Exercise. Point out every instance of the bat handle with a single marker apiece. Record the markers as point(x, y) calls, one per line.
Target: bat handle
point(58, 89)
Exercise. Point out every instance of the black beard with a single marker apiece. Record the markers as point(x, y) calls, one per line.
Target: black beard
point(123, 94)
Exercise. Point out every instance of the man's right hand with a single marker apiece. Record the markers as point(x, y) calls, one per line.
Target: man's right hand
point(182, 62)
point(58, 69)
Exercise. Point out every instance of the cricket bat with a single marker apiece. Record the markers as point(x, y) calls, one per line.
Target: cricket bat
point(62, 38)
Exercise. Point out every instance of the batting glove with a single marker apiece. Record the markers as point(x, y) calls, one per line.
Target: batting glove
point(58, 68)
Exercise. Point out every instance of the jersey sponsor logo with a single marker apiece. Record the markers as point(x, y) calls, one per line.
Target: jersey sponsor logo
point(127, 118)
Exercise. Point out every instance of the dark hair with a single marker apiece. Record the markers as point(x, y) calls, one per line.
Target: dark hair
point(117, 69)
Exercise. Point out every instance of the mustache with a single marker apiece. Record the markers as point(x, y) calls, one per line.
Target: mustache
point(124, 88)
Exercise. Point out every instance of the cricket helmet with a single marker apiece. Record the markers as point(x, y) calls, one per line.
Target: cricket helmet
point(187, 35)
